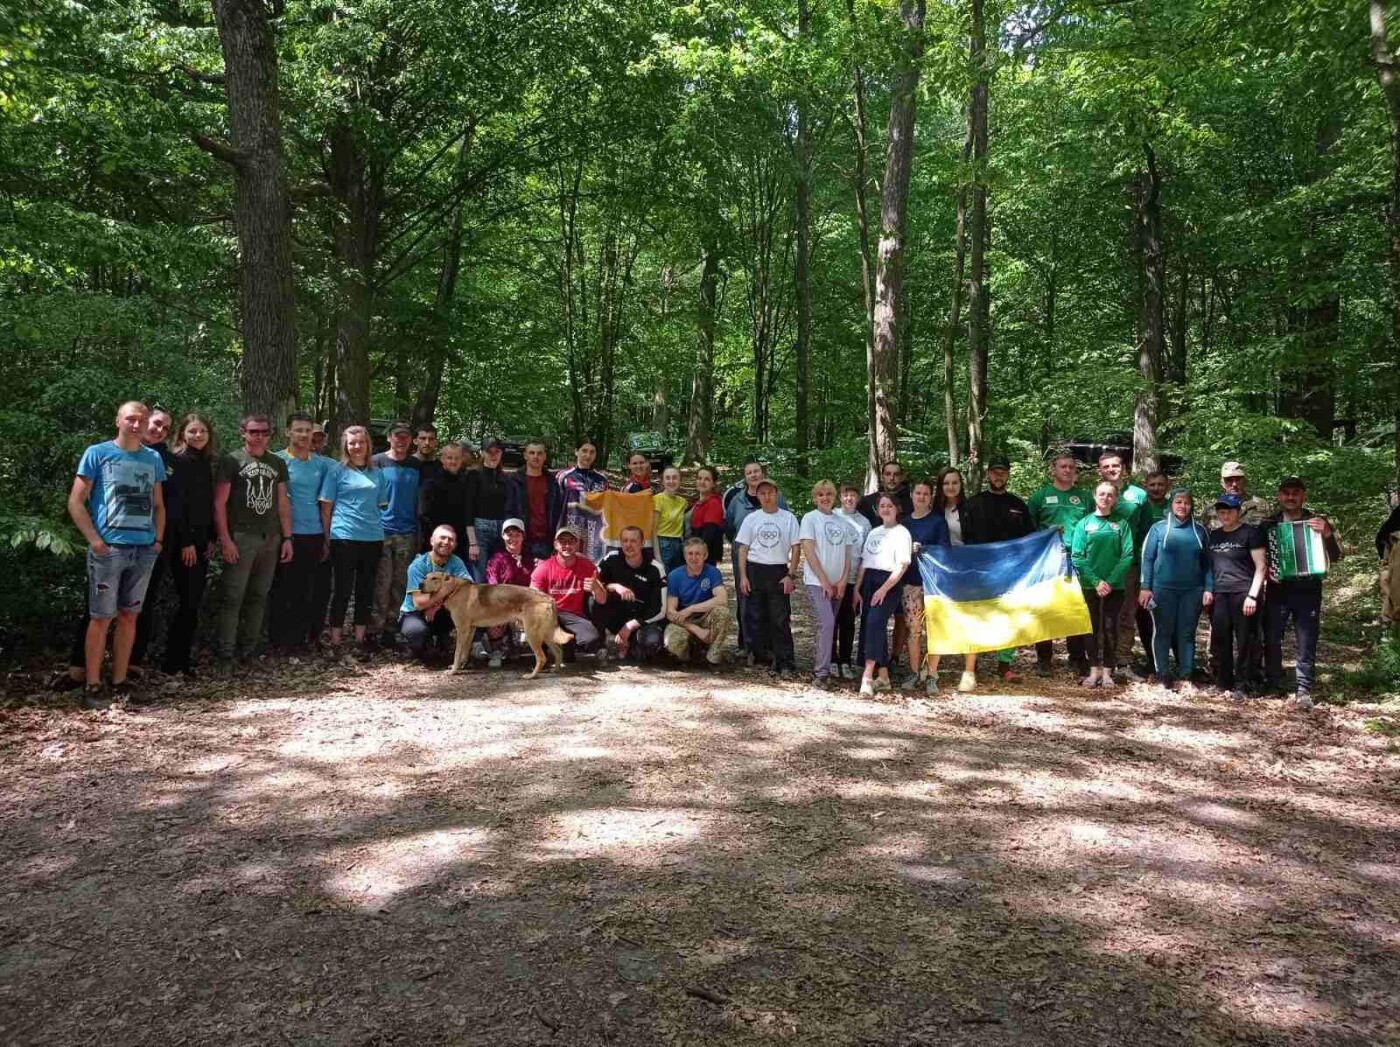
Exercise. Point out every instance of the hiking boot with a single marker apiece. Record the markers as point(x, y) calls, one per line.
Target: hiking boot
point(96, 697)
point(931, 684)
point(911, 682)
point(1044, 670)
point(1305, 700)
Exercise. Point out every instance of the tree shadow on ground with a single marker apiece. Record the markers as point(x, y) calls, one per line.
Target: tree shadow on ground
point(631, 859)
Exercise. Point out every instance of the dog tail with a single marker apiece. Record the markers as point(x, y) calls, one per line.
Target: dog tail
point(561, 637)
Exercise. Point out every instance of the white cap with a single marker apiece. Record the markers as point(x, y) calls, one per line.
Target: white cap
point(513, 522)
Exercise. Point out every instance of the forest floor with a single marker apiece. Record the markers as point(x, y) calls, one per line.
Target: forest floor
point(390, 854)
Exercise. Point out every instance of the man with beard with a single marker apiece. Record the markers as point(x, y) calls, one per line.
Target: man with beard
point(891, 482)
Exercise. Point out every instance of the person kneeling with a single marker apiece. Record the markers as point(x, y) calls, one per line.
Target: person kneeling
point(636, 601)
point(421, 617)
point(697, 606)
point(569, 579)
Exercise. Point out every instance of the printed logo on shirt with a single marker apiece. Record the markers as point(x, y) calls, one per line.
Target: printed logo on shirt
point(837, 533)
point(1074, 499)
point(127, 487)
point(767, 535)
point(874, 543)
point(1052, 499)
point(260, 485)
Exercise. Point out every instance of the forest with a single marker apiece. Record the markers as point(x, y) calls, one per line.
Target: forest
point(828, 230)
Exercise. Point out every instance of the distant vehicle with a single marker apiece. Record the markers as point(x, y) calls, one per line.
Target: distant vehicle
point(1086, 450)
point(649, 444)
point(134, 499)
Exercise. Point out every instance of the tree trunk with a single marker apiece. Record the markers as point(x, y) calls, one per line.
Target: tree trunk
point(356, 190)
point(950, 336)
point(978, 311)
point(802, 348)
point(426, 405)
point(861, 178)
point(1179, 326)
point(262, 208)
point(700, 415)
point(1389, 74)
point(894, 205)
point(1150, 343)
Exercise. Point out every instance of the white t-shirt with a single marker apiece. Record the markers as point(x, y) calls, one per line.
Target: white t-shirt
point(769, 536)
point(887, 549)
point(955, 536)
point(859, 527)
point(832, 539)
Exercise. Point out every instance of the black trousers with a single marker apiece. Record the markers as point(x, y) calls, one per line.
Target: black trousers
point(1232, 640)
point(356, 565)
point(293, 617)
point(769, 611)
point(586, 636)
point(646, 642)
point(1078, 652)
point(1103, 641)
point(843, 643)
point(418, 631)
point(146, 620)
point(1145, 627)
point(1303, 606)
point(189, 590)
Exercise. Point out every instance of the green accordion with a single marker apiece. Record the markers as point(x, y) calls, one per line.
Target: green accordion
point(1295, 551)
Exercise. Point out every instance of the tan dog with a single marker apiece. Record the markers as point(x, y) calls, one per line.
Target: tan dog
point(475, 607)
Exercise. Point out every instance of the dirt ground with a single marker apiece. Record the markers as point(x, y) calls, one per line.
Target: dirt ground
point(670, 856)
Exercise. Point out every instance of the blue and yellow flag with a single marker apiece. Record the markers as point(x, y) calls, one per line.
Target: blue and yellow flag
point(1003, 594)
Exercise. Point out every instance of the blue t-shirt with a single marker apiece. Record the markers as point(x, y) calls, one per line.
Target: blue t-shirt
point(304, 481)
point(930, 530)
point(358, 495)
point(122, 499)
point(688, 590)
point(420, 568)
point(400, 516)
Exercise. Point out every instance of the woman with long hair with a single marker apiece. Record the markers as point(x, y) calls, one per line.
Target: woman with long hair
point(950, 502)
point(189, 527)
point(926, 528)
point(885, 558)
point(351, 497)
point(1102, 550)
point(826, 560)
point(707, 514)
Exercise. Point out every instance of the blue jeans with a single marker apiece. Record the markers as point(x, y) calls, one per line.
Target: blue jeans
point(1174, 627)
point(117, 581)
point(672, 554)
point(875, 620)
point(488, 540)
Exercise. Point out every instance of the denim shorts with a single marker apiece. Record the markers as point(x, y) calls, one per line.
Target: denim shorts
point(117, 581)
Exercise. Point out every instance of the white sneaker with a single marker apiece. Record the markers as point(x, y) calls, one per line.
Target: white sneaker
point(968, 683)
point(867, 689)
point(1305, 700)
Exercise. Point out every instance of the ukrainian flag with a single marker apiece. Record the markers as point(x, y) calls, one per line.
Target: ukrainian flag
point(1003, 594)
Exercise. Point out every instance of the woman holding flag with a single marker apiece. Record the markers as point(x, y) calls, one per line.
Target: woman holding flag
point(951, 504)
point(926, 528)
point(886, 556)
point(1102, 550)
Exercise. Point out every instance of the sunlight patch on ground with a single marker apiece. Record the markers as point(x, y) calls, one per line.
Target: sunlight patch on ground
point(631, 835)
point(1219, 814)
point(371, 876)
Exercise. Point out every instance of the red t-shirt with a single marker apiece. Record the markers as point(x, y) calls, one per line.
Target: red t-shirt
point(707, 511)
point(566, 586)
point(537, 496)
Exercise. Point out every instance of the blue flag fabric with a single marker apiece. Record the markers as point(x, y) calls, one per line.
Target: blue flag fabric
point(1000, 595)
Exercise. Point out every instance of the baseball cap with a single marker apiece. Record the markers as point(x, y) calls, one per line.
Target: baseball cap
point(1292, 481)
point(1227, 501)
point(398, 427)
point(515, 522)
point(491, 444)
point(564, 529)
point(766, 481)
point(1230, 469)
point(998, 461)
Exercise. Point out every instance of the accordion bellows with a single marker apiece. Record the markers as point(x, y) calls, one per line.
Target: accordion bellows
point(1295, 551)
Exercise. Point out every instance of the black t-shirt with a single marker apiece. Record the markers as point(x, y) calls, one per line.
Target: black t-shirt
point(1230, 557)
point(645, 581)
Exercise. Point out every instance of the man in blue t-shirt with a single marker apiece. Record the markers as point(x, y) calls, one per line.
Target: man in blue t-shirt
point(697, 607)
point(301, 588)
point(402, 473)
point(118, 504)
point(421, 617)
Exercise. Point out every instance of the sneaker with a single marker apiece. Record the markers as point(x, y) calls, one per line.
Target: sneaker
point(1131, 676)
point(480, 654)
point(95, 697)
point(122, 691)
point(968, 683)
point(495, 662)
point(1043, 670)
point(911, 682)
point(1305, 700)
point(601, 658)
point(931, 685)
point(867, 689)
point(882, 684)
point(714, 656)
point(848, 672)
point(1237, 695)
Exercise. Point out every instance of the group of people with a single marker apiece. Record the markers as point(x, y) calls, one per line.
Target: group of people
point(310, 543)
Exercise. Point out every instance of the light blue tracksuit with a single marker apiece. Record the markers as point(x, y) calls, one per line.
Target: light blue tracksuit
point(1176, 569)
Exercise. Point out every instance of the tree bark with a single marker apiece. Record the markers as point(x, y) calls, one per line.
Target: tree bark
point(1148, 218)
point(802, 200)
point(262, 209)
point(357, 192)
point(700, 415)
point(1179, 325)
point(894, 205)
point(978, 310)
point(861, 179)
point(1383, 56)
